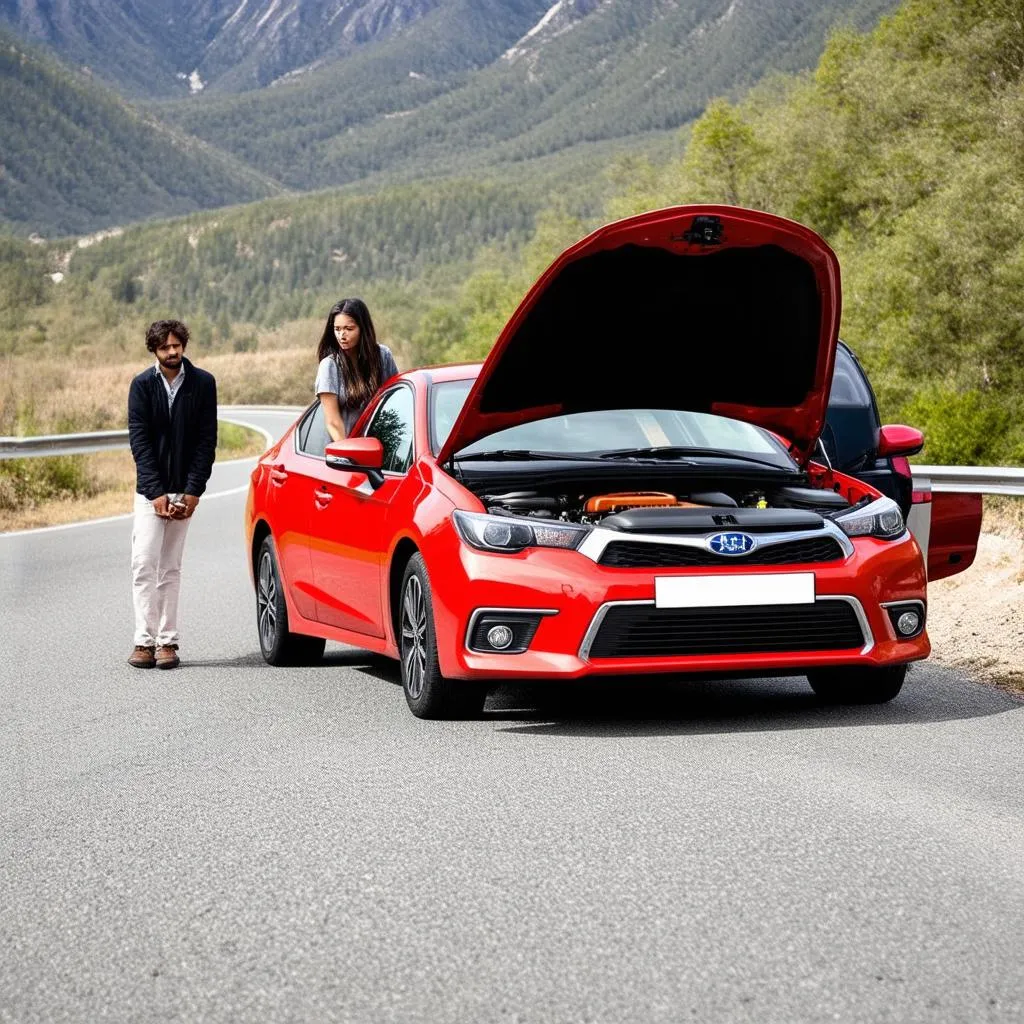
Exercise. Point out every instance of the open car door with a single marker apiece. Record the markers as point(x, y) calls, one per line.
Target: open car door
point(953, 534)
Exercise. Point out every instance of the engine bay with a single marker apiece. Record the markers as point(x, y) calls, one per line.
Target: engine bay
point(592, 508)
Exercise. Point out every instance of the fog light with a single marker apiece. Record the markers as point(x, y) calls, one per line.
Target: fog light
point(908, 623)
point(503, 630)
point(907, 618)
point(499, 637)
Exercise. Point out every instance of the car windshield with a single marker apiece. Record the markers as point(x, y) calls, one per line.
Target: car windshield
point(631, 430)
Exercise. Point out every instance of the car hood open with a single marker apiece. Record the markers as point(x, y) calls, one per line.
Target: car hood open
point(705, 308)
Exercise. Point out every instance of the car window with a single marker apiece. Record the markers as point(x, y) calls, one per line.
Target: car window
point(603, 430)
point(446, 402)
point(312, 434)
point(850, 433)
point(630, 428)
point(392, 423)
point(848, 384)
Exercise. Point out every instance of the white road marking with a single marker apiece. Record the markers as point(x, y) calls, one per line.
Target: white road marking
point(125, 515)
point(269, 438)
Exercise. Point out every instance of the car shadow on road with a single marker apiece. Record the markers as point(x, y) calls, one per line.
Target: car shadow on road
point(639, 706)
point(375, 665)
point(658, 705)
point(365, 662)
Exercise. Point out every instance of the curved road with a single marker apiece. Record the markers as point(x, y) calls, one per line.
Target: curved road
point(231, 842)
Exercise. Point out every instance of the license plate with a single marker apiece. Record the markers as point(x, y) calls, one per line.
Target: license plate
point(725, 591)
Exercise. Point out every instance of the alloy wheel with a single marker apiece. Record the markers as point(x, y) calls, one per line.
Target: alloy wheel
point(266, 602)
point(414, 637)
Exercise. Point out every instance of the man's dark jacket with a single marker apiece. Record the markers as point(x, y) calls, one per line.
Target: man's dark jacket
point(173, 452)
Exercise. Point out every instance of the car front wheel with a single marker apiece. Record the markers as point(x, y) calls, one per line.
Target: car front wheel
point(427, 692)
point(858, 685)
point(278, 645)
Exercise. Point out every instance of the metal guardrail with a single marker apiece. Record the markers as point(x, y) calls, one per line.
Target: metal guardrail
point(959, 479)
point(971, 479)
point(62, 444)
point(105, 440)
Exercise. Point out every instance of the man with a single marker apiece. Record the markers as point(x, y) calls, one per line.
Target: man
point(172, 427)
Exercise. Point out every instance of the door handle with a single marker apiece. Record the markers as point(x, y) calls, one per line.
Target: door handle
point(322, 498)
point(277, 476)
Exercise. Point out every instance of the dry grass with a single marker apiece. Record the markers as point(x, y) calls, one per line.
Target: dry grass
point(40, 396)
point(1004, 516)
point(54, 389)
point(111, 477)
point(51, 388)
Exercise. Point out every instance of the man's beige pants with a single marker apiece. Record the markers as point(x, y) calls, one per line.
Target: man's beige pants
point(157, 546)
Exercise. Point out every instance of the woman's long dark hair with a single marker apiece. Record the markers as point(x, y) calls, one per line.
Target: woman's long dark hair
point(361, 371)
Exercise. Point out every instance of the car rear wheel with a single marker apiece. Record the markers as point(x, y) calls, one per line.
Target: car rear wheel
point(858, 685)
point(278, 645)
point(427, 692)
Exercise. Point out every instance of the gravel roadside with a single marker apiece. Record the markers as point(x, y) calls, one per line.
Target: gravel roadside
point(976, 618)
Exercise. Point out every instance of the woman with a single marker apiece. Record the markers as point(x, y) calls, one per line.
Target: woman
point(352, 366)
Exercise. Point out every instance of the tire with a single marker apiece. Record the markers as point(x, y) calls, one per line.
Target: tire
point(858, 685)
point(427, 692)
point(278, 645)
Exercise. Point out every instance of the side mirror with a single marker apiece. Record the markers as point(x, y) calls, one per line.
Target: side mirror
point(358, 455)
point(895, 439)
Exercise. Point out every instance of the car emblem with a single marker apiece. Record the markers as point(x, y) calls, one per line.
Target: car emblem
point(731, 543)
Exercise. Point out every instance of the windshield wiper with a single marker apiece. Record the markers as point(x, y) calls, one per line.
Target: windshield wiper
point(673, 452)
point(522, 455)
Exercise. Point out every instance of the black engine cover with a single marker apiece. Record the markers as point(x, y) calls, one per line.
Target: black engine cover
point(699, 520)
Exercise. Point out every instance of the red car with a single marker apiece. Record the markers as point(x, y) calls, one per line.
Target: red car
point(625, 486)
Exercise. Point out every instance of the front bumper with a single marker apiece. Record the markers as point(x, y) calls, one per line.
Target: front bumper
point(575, 596)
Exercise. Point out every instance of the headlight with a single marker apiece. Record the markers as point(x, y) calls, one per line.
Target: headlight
point(881, 518)
point(511, 533)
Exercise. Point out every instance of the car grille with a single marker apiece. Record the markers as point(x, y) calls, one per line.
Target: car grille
point(625, 554)
point(643, 631)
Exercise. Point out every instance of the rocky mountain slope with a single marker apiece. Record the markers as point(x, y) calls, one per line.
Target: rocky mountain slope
point(76, 157)
point(156, 49)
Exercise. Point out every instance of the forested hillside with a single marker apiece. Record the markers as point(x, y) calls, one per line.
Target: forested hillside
point(905, 148)
point(403, 108)
point(418, 88)
point(152, 48)
point(136, 47)
point(76, 157)
point(261, 264)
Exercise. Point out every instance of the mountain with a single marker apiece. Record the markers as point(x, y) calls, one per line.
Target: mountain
point(149, 48)
point(77, 157)
point(138, 46)
point(262, 41)
point(583, 71)
point(362, 92)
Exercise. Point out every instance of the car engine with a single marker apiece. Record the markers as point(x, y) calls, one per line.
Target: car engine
point(591, 509)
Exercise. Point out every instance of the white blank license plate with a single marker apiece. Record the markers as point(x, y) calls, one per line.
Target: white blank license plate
point(723, 591)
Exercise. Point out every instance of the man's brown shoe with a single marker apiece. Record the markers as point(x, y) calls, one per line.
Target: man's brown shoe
point(142, 657)
point(167, 656)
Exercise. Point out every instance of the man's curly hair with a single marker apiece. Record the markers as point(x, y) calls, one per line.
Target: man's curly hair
point(159, 329)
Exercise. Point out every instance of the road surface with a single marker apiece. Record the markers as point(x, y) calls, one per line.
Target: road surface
point(232, 842)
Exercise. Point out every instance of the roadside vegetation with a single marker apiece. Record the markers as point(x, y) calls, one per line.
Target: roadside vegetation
point(903, 147)
point(48, 491)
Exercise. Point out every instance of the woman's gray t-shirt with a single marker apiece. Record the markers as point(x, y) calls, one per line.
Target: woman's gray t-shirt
point(328, 378)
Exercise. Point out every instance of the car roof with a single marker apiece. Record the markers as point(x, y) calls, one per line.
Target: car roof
point(442, 373)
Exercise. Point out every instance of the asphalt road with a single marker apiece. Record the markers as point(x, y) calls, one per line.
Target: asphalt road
point(232, 842)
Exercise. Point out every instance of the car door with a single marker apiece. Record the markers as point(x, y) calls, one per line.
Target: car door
point(953, 534)
point(290, 481)
point(348, 522)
